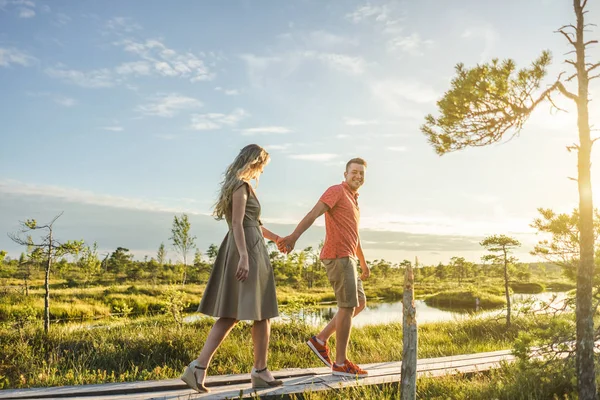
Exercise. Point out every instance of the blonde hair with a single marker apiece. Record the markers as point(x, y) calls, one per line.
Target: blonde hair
point(246, 166)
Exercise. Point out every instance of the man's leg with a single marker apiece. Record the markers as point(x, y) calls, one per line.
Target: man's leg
point(343, 328)
point(330, 328)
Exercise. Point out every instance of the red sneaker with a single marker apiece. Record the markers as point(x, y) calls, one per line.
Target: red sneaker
point(320, 350)
point(349, 369)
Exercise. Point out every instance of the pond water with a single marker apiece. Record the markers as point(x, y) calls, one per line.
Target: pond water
point(382, 313)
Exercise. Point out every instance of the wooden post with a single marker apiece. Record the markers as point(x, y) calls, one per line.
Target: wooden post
point(408, 384)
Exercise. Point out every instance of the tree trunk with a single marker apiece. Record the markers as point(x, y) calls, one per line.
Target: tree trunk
point(586, 376)
point(47, 287)
point(184, 269)
point(408, 381)
point(506, 289)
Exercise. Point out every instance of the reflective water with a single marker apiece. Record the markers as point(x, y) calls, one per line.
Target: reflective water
point(382, 313)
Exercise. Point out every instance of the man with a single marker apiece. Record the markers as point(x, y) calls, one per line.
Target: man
point(342, 246)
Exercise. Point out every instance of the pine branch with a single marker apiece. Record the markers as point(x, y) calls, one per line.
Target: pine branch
point(565, 92)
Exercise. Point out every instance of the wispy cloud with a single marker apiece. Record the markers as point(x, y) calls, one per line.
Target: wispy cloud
point(122, 24)
point(139, 68)
point(360, 122)
point(319, 39)
point(61, 19)
point(412, 44)
point(168, 105)
point(168, 62)
point(88, 197)
point(11, 55)
point(57, 98)
point(278, 147)
point(341, 62)
point(369, 12)
point(398, 148)
point(65, 101)
point(400, 96)
point(320, 157)
point(485, 32)
point(228, 92)
point(26, 13)
point(98, 78)
point(265, 130)
point(115, 128)
point(214, 121)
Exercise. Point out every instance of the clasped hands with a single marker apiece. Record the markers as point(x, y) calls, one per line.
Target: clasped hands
point(286, 244)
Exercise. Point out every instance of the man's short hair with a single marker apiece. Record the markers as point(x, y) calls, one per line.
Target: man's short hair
point(356, 160)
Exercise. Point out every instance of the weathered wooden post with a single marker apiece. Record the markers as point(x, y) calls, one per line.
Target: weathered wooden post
point(408, 383)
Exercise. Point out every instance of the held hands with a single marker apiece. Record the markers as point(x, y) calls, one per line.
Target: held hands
point(242, 270)
point(286, 244)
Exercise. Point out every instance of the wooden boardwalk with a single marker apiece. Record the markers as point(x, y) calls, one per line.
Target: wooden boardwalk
point(295, 381)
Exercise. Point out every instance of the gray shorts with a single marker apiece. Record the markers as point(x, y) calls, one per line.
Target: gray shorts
point(346, 283)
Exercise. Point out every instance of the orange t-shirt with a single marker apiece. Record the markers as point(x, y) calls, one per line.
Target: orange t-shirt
point(341, 222)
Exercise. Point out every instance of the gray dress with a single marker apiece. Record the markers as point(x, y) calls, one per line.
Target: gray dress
point(255, 298)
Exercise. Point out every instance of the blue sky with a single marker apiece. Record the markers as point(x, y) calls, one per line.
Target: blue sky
point(122, 114)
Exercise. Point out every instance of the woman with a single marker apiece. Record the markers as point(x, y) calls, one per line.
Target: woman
point(241, 284)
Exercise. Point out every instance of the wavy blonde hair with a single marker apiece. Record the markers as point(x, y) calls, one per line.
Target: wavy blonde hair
point(246, 166)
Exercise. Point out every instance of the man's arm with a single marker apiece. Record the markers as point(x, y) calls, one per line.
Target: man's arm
point(366, 271)
point(287, 243)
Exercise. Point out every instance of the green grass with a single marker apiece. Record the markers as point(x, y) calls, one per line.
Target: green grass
point(527, 287)
point(465, 299)
point(155, 348)
point(511, 382)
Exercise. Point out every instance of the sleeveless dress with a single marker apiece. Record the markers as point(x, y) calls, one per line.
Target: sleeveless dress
point(255, 298)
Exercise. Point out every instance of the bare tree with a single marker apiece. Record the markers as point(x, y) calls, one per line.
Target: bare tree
point(46, 251)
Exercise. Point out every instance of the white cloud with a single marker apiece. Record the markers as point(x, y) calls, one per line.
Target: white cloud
point(26, 3)
point(328, 39)
point(88, 197)
point(26, 13)
point(360, 122)
point(397, 148)
point(61, 19)
point(412, 44)
point(369, 12)
point(98, 78)
point(122, 24)
point(342, 136)
point(314, 157)
point(228, 92)
point(167, 62)
point(317, 39)
point(278, 147)
point(266, 130)
point(65, 101)
point(11, 55)
point(166, 136)
point(485, 32)
point(134, 68)
point(396, 95)
point(344, 63)
point(214, 121)
point(115, 128)
point(168, 105)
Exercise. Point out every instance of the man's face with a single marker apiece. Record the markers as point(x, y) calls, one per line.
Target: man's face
point(355, 176)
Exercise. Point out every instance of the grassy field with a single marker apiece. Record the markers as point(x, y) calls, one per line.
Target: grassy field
point(156, 348)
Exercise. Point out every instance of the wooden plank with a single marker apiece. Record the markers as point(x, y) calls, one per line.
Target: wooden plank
point(296, 380)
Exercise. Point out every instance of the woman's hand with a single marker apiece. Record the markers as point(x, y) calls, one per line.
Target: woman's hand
point(243, 268)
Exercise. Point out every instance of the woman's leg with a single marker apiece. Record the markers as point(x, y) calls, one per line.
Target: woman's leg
point(217, 334)
point(261, 333)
